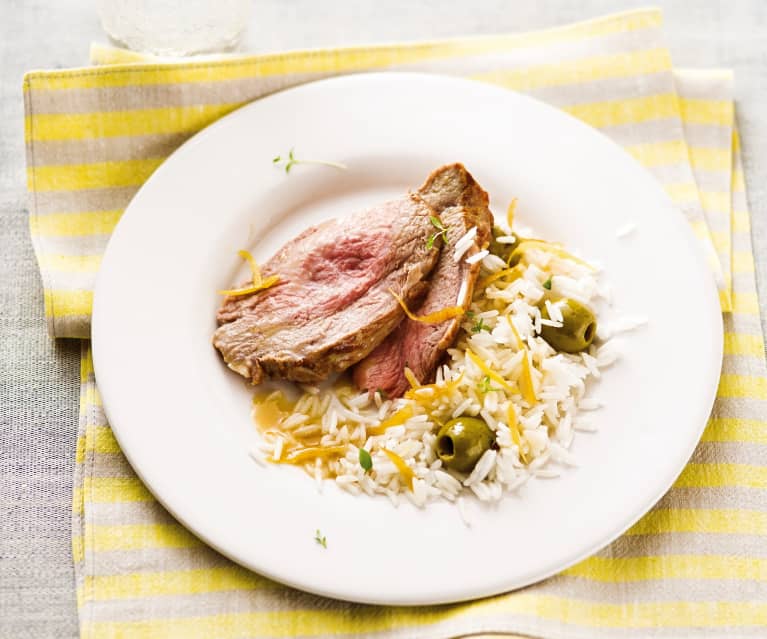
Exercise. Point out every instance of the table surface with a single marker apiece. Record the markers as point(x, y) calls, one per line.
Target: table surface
point(39, 378)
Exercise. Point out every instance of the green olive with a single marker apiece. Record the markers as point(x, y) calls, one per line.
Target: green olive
point(461, 442)
point(579, 326)
point(519, 250)
point(497, 248)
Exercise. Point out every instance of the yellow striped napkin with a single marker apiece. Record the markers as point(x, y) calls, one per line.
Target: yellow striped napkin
point(694, 566)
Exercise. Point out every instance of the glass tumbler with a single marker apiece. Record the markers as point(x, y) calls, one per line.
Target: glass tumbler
point(175, 27)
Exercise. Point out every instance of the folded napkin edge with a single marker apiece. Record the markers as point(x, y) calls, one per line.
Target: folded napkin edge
point(654, 15)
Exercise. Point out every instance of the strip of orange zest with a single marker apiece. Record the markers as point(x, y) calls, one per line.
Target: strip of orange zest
point(312, 452)
point(397, 419)
point(490, 372)
point(411, 378)
point(528, 390)
point(554, 250)
point(511, 418)
point(510, 212)
point(520, 343)
point(432, 318)
point(437, 388)
point(404, 470)
point(514, 271)
point(247, 290)
point(255, 272)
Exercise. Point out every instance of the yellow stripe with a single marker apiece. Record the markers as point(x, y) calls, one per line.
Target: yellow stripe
point(699, 228)
point(684, 520)
point(139, 537)
point(107, 124)
point(186, 582)
point(718, 475)
point(113, 490)
point(70, 263)
point(742, 262)
point(730, 429)
point(80, 450)
point(98, 175)
point(710, 159)
point(725, 300)
point(699, 111)
point(75, 224)
point(745, 303)
point(750, 386)
point(741, 221)
point(683, 192)
point(86, 367)
point(625, 569)
point(743, 344)
point(338, 622)
point(78, 549)
point(715, 200)
point(61, 303)
point(333, 60)
point(628, 111)
point(617, 65)
point(721, 239)
point(659, 153)
point(100, 439)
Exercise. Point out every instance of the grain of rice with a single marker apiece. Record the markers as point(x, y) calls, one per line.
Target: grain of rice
point(547, 473)
point(481, 468)
point(461, 408)
point(520, 481)
point(625, 230)
point(607, 354)
point(477, 257)
point(464, 244)
point(257, 456)
point(555, 311)
point(493, 263)
point(540, 460)
point(589, 403)
point(584, 425)
point(308, 429)
point(506, 239)
point(591, 364)
point(625, 324)
point(562, 455)
point(463, 511)
point(296, 419)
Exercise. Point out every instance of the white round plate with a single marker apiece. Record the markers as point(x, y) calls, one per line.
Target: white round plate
point(183, 419)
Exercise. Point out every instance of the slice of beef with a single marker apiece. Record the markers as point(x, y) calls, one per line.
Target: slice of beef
point(332, 305)
point(461, 204)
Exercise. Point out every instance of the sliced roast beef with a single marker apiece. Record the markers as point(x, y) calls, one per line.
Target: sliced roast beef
point(332, 305)
point(461, 204)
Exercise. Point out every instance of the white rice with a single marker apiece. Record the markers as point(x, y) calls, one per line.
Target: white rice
point(538, 444)
point(478, 256)
point(463, 244)
point(625, 230)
